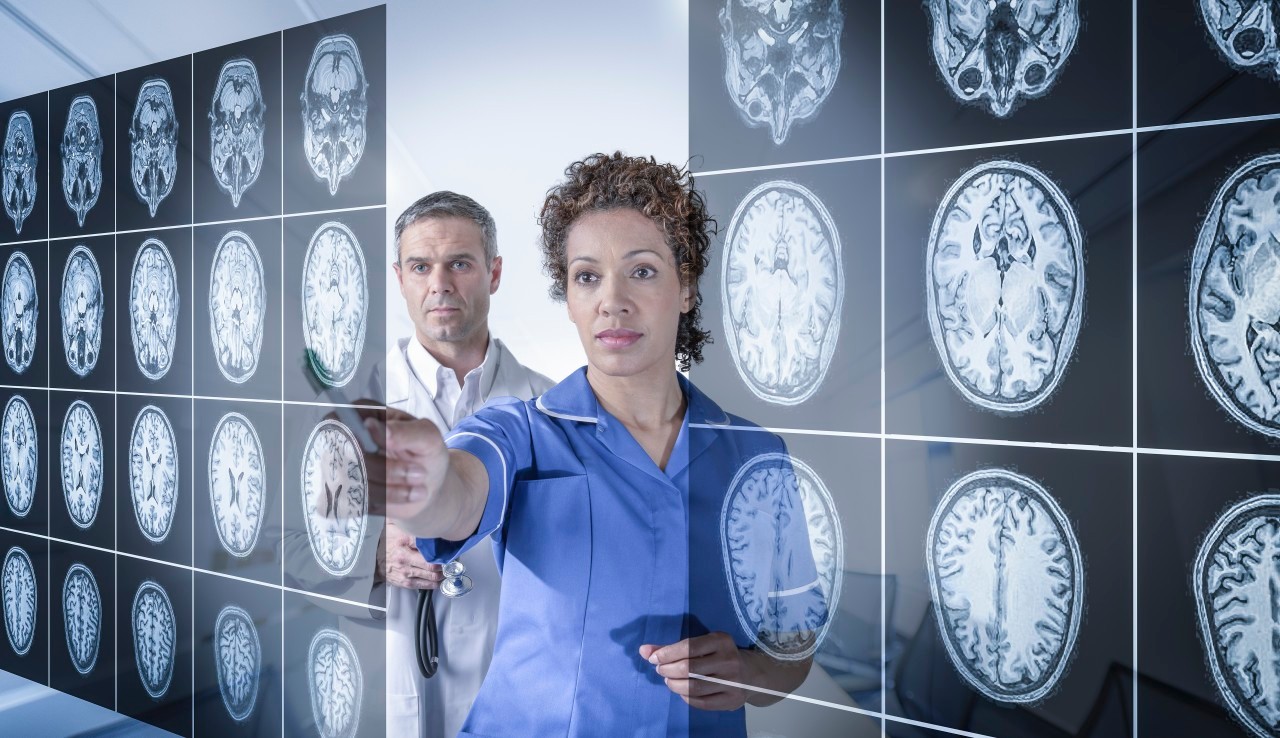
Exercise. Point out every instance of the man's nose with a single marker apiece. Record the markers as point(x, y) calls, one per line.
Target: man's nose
point(439, 281)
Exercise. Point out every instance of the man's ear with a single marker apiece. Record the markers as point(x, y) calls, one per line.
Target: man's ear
point(399, 276)
point(495, 274)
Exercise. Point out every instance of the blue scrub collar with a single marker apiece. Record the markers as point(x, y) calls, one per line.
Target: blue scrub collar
point(573, 399)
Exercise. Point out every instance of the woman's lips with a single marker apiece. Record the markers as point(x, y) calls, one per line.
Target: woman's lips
point(618, 338)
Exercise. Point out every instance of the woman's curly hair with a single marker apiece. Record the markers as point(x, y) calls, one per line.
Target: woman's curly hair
point(663, 193)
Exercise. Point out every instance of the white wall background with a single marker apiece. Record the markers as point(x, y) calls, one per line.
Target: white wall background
point(493, 99)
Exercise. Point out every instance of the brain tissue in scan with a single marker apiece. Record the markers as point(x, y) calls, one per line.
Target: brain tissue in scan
point(82, 157)
point(238, 656)
point(237, 123)
point(20, 598)
point(781, 59)
point(81, 464)
point(1234, 300)
point(997, 53)
point(334, 496)
point(1007, 582)
point(153, 143)
point(20, 168)
point(20, 313)
point(336, 684)
point(783, 551)
point(237, 482)
point(153, 473)
point(19, 455)
point(781, 292)
point(82, 308)
point(335, 303)
point(1005, 276)
point(155, 637)
point(153, 309)
point(1235, 582)
point(335, 104)
point(82, 617)
point(237, 306)
point(1245, 31)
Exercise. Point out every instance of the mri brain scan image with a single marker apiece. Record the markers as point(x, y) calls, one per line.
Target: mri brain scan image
point(1235, 581)
point(781, 59)
point(237, 306)
point(781, 292)
point(1005, 276)
point(783, 551)
point(335, 496)
point(82, 617)
point(335, 104)
point(1007, 582)
point(335, 303)
point(237, 483)
point(19, 455)
point(82, 307)
point(237, 123)
point(20, 168)
point(20, 313)
point(20, 597)
point(336, 684)
point(1245, 32)
point(153, 473)
point(153, 309)
point(153, 139)
point(1234, 300)
point(81, 464)
point(997, 53)
point(238, 656)
point(82, 157)
point(155, 638)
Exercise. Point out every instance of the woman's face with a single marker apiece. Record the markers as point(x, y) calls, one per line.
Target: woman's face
point(624, 293)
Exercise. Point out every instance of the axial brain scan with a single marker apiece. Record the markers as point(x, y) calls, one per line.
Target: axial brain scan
point(783, 552)
point(781, 292)
point(82, 617)
point(1235, 581)
point(155, 637)
point(153, 137)
point(19, 455)
point(20, 597)
point(1007, 583)
point(237, 123)
point(20, 168)
point(1234, 300)
point(1246, 33)
point(336, 684)
point(20, 313)
point(334, 496)
point(237, 306)
point(238, 656)
point(1003, 51)
point(781, 59)
point(81, 464)
point(82, 157)
point(153, 309)
point(82, 307)
point(335, 104)
point(153, 473)
point(1005, 276)
point(236, 483)
point(335, 303)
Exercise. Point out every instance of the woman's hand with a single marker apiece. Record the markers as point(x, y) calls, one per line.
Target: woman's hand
point(716, 655)
point(413, 464)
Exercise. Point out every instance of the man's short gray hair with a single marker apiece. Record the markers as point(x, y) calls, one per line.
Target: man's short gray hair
point(446, 204)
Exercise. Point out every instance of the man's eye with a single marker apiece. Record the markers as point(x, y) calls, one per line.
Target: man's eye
point(419, 268)
point(461, 265)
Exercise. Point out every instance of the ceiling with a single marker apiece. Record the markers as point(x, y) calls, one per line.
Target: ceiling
point(51, 44)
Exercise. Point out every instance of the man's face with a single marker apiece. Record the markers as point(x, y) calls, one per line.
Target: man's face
point(445, 281)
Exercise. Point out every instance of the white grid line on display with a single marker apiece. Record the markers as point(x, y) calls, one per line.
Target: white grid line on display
point(1133, 297)
point(191, 316)
point(193, 225)
point(281, 465)
point(214, 398)
point(884, 479)
point(115, 401)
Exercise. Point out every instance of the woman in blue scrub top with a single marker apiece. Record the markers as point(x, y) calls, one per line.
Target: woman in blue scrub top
point(603, 497)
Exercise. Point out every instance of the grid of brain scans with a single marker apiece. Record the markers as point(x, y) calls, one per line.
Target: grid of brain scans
point(1003, 276)
point(188, 329)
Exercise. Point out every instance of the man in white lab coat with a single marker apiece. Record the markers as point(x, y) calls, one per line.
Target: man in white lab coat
point(448, 267)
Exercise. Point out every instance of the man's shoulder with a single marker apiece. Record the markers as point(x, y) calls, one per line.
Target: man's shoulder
point(538, 383)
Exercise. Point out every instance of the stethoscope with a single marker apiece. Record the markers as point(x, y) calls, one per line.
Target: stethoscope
point(456, 583)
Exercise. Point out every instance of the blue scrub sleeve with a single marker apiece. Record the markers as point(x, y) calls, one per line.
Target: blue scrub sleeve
point(499, 436)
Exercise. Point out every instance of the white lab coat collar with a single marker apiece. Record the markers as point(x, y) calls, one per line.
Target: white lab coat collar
point(506, 377)
point(427, 368)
